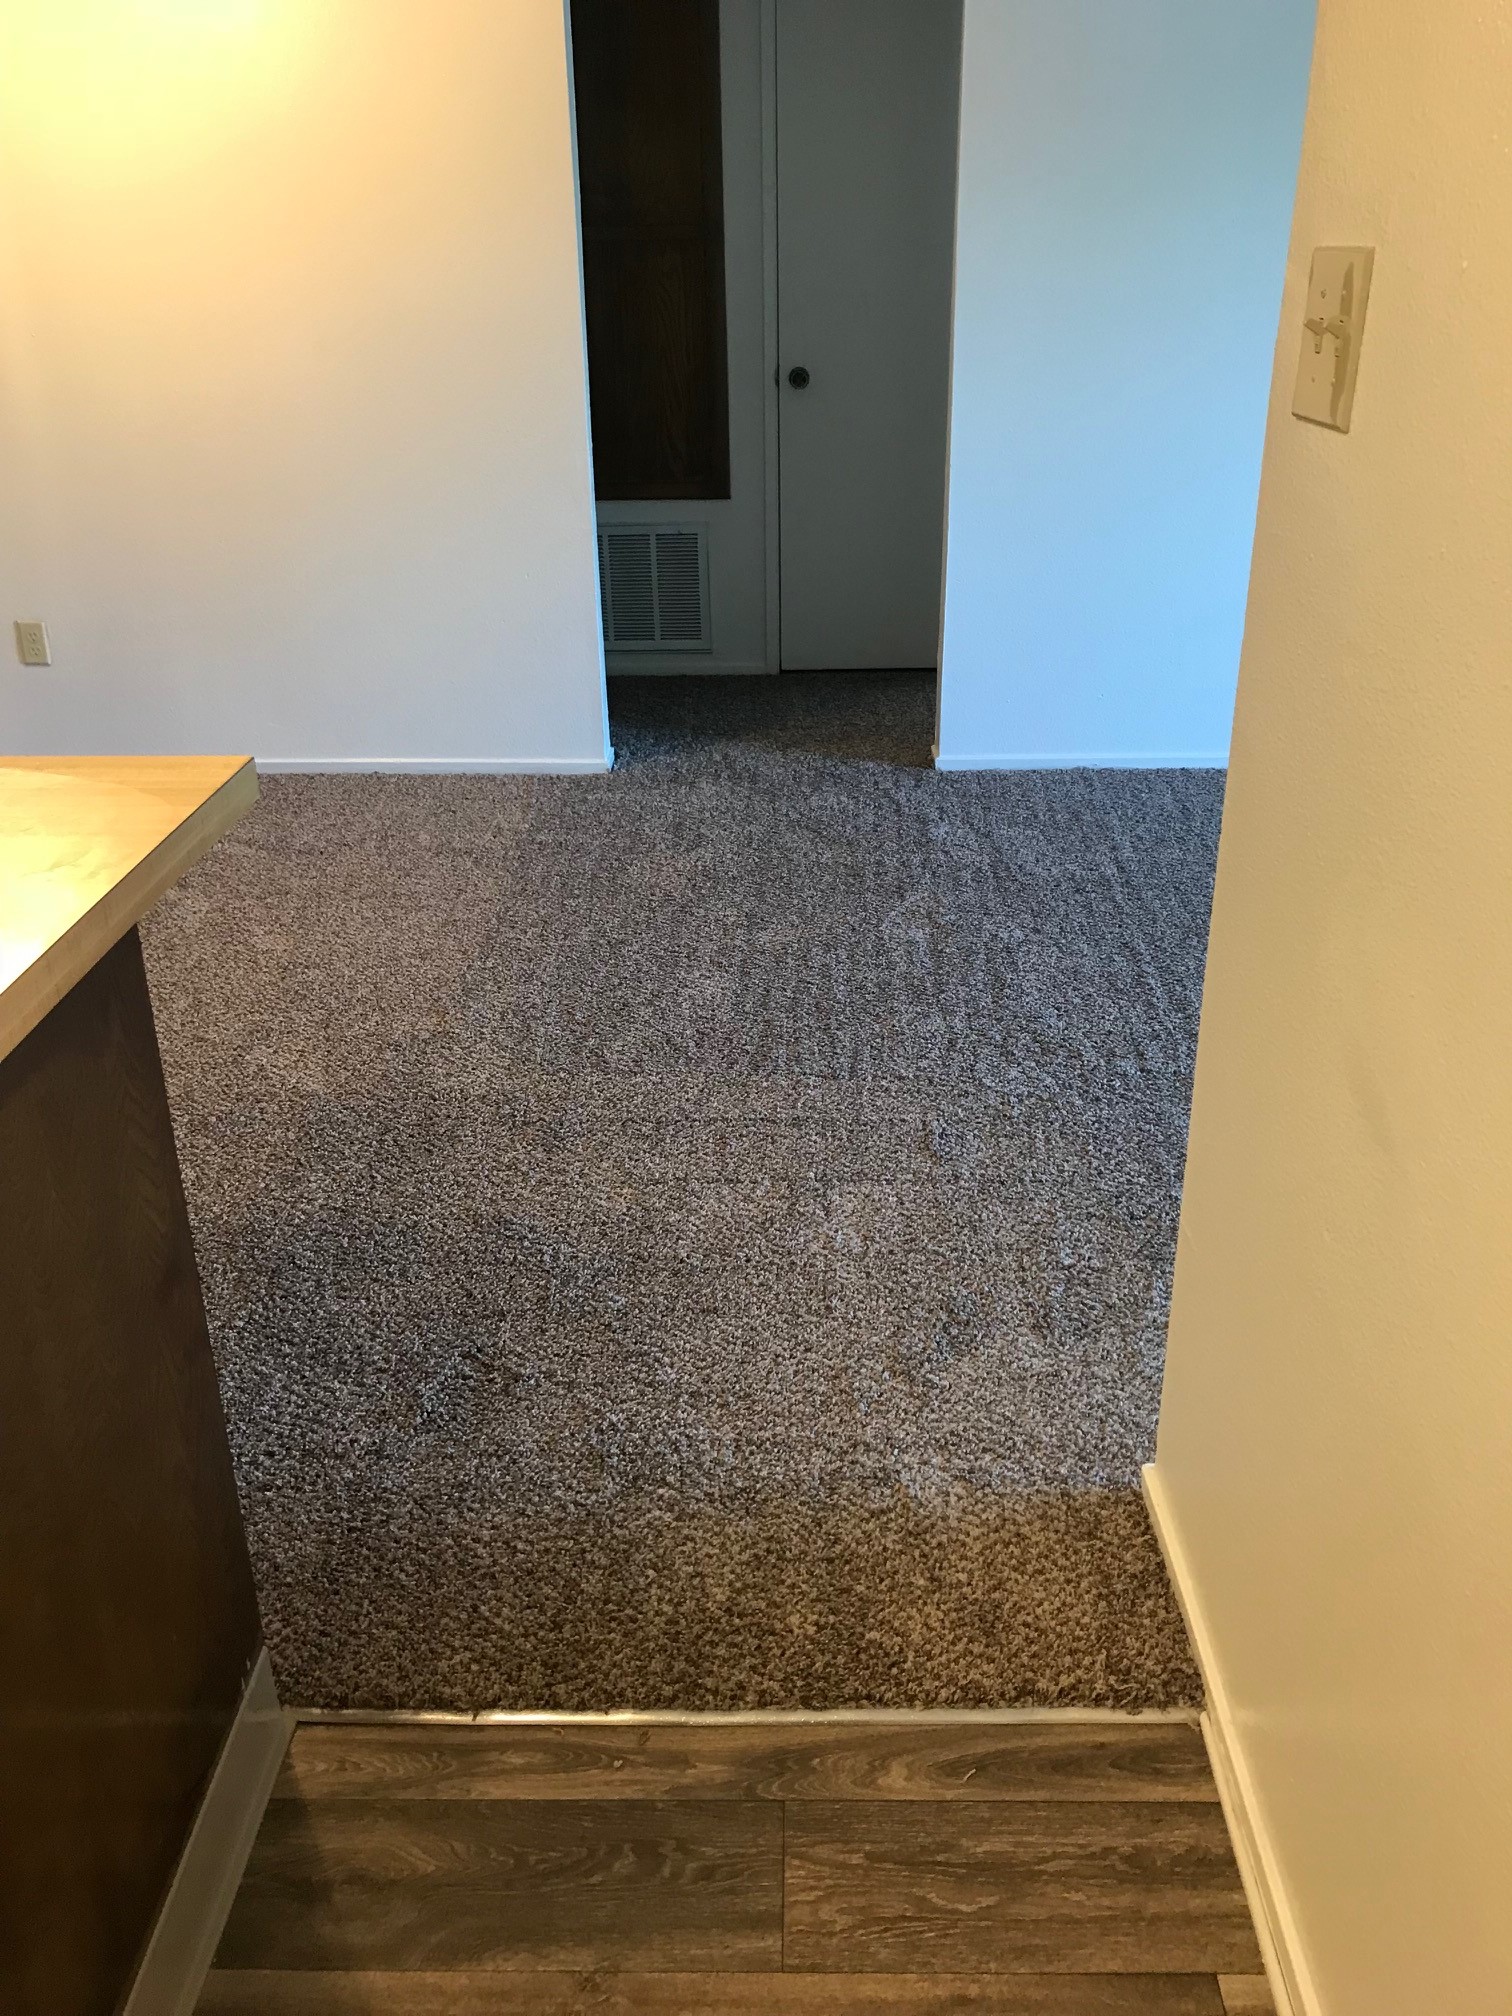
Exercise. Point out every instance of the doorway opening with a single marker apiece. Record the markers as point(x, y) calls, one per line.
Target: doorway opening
point(768, 195)
point(769, 1159)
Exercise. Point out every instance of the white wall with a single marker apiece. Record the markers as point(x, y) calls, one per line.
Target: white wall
point(292, 393)
point(1126, 180)
point(1335, 1447)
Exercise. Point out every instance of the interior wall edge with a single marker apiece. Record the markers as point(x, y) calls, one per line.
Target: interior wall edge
point(587, 406)
point(1291, 1979)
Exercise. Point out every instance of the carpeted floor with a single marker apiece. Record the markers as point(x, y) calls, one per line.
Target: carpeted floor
point(698, 1237)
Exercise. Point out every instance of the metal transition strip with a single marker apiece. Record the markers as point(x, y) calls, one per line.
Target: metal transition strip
point(776, 1718)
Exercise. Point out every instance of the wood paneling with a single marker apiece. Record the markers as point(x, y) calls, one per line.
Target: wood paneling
point(1029, 1760)
point(662, 1886)
point(1246, 1995)
point(130, 1623)
point(600, 1994)
point(650, 173)
point(1105, 1887)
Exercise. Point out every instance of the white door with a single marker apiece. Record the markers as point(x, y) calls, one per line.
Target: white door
point(868, 98)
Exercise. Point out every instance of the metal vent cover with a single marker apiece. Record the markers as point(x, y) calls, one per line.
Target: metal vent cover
point(654, 587)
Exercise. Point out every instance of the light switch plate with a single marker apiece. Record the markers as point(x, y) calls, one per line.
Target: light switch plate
point(1331, 332)
point(31, 644)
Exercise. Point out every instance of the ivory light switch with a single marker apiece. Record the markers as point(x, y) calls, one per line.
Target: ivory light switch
point(1331, 331)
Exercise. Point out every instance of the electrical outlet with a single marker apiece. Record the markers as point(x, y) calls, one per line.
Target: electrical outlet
point(31, 644)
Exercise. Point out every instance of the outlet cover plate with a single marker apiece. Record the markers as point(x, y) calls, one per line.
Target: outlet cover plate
point(31, 644)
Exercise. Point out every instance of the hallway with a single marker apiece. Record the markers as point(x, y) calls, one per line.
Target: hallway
point(698, 1238)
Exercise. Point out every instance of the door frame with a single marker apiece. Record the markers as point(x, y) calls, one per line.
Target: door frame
point(772, 542)
point(771, 458)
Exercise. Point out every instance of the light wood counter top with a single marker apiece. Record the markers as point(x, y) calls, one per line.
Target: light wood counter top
point(87, 846)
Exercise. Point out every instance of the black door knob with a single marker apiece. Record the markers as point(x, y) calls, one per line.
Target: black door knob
point(798, 377)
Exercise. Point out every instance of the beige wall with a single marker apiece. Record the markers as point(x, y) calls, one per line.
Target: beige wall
point(293, 424)
point(1336, 1442)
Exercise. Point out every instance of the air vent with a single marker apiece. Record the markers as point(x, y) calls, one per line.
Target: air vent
point(654, 585)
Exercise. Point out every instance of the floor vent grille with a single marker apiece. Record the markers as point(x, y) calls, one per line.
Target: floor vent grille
point(654, 587)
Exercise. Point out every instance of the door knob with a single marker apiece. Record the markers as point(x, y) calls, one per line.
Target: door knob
point(798, 377)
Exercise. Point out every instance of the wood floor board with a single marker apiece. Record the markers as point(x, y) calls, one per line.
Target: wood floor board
point(673, 1885)
point(1040, 1761)
point(1246, 1995)
point(1100, 1887)
point(1024, 1869)
point(607, 1994)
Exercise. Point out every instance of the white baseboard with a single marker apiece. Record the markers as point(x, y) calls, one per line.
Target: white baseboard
point(441, 766)
point(1173, 760)
point(194, 1912)
point(1292, 1985)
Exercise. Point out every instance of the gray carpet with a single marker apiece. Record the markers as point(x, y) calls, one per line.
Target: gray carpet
point(698, 1237)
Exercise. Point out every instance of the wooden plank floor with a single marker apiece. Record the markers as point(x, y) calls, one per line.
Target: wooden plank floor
point(1052, 1868)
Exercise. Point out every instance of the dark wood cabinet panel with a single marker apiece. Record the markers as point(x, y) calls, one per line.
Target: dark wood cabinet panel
point(650, 172)
point(129, 1619)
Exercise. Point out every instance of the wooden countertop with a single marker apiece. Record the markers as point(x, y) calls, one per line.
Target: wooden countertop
point(87, 846)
